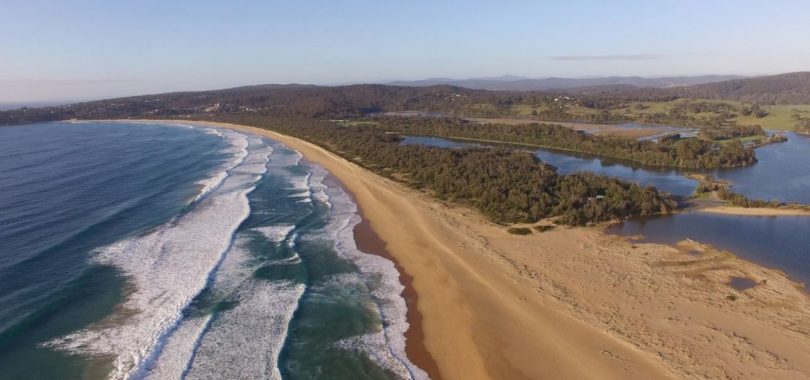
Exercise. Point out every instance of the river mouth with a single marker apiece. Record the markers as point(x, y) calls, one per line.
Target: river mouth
point(777, 242)
point(783, 172)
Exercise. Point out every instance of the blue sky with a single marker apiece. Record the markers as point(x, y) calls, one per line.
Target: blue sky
point(84, 49)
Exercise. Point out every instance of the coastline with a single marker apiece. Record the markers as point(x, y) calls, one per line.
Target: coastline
point(369, 242)
point(494, 305)
point(754, 211)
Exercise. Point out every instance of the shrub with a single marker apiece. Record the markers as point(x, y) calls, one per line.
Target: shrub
point(519, 231)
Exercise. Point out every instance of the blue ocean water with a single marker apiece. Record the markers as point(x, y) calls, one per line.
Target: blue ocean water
point(160, 251)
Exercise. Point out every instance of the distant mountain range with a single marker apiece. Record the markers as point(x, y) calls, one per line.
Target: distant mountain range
point(513, 83)
point(339, 102)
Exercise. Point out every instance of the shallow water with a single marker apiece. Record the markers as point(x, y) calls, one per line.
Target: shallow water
point(741, 283)
point(778, 242)
point(782, 173)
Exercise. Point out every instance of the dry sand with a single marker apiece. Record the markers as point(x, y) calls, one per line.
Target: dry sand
point(576, 303)
point(756, 211)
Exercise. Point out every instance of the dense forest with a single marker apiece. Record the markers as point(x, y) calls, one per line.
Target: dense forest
point(730, 132)
point(790, 88)
point(740, 200)
point(506, 185)
point(680, 153)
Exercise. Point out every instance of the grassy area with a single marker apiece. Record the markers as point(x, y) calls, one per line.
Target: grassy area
point(576, 110)
point(779, 116)
point(640, 108)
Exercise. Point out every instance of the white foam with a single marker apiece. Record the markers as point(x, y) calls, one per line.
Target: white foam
point(237, 148)
point(168, 267)
point(386, 346)
point(318, 189)
point(300, 184)
point(276, 233)
point(178, 350)
point(245, 342)
point(292, 240)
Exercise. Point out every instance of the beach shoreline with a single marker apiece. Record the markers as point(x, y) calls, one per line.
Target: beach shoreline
point(572, 302)
point(755, 211)
point(369, 242)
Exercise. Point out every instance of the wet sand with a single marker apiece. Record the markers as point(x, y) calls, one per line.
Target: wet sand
point(368, 241)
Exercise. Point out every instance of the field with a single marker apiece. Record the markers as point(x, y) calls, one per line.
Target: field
point(780, 117)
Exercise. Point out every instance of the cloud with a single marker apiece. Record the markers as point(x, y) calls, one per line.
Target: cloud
point(611, 57)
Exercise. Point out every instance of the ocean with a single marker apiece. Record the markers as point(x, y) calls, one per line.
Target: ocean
point(144, 250)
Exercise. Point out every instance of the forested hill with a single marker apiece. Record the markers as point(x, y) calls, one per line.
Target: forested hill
point(790, 88)
point(510, 83)
point(339, 102)
point(277, 100)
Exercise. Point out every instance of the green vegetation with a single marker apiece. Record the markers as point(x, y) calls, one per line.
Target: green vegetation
point(775, 102)
point(803, 126)
point(709, 186)
point(731, 132)
point(678, 112)
point(506, 185)
point(740, 200)
point(680, 153)
point(519, 231)
point(543, 228)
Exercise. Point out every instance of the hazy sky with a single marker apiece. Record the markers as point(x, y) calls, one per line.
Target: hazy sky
point(82, 49)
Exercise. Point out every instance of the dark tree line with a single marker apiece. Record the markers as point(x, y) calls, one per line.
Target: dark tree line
point(729, 132)
point(740, 200)
point(679, 153)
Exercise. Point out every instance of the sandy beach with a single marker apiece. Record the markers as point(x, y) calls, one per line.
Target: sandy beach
point(573, 303)
point(755, 211)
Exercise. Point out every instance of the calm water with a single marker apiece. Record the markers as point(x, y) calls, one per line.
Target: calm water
point(435, 141)
point(782, 173)
point(779, 242)
point(156, 251)
point(671, 181)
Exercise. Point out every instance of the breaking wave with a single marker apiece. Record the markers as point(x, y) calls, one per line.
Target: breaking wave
point(172, 264)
